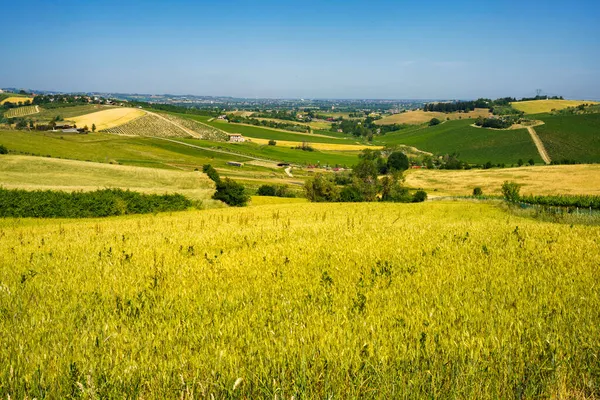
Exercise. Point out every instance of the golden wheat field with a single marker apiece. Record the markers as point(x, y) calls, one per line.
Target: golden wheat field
point(319, 146)
point(16, 99)
point(544, 106)
point(428, 300)
point(420, 117)
point(537, 180)
point(107, 119)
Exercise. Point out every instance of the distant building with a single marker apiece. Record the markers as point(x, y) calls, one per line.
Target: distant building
point(236, 138)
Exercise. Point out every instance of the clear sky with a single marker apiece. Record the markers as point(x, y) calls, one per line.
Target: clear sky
point(313, 49)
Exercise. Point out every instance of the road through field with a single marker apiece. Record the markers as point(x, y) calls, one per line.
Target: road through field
point(218, 150)
point(540, 146)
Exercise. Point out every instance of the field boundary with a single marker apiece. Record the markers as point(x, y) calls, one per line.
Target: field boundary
point(539, 144)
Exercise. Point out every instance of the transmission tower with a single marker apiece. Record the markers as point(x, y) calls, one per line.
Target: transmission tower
point(538, 92)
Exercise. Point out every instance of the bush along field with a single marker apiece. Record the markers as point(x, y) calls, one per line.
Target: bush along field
point(100, 203)
point(314, 300)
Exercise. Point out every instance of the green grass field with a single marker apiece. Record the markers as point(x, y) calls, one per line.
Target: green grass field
point(266, 133)
point(283, 153)
point(431, 300)
point(474, 145)
point(41, 173)
point(573, 137)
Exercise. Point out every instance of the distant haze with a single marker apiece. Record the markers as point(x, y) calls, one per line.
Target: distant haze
point(311, 49)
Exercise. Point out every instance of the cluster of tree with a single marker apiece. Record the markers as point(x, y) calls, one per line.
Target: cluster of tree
point(539, 97)
point(175, 108)
point(271, 124)
point(101, 203)
point(8, 105)
point(228, 191)
point(364, 128)
point(364, 183)
point(23, 123)
point(275, 190)
point(503, 122)
point(305, 146)
point(287, 115)
point(464, 106)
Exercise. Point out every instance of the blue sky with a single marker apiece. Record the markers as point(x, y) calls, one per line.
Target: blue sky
point(311, 49)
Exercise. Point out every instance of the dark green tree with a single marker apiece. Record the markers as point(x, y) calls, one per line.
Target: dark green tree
point(231, 193)
point(397, 161)
point(321, 188)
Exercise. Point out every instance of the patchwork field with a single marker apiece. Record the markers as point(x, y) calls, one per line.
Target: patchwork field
point(16, 99)
point(545, 106)
point(278, 134)
point(107, 119)
point(320, 146)
point(420, 117)
point(540, 180)
point(421, 300)
point(474, 145)
point(573, 137)
point(40, 173)
point(21, 111)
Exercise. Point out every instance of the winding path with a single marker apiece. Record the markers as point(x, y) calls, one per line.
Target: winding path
point(540, 146)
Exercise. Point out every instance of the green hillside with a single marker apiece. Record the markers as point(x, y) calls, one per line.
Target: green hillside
point(474, 145)
point(572, 137)
point(266, 133)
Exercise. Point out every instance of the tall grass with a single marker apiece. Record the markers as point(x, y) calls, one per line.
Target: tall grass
point(428, 300)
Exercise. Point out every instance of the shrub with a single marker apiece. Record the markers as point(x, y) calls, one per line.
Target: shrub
point(3, 149)
point(272, 142)
point(510, 190)
point(274, 190)
point(99, 203)
point(477, 191)
point(211, 172)
point(321, 188)
point(434, 121)
point(231, 193)
point(397, 161)
point(419, 196)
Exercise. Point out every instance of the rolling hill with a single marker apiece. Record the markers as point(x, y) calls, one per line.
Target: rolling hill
point(545, 106)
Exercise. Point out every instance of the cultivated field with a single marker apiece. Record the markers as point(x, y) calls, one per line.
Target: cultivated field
point(149, 125)
point(540, 180)
point(21, 111)
point(40, 173)
point(16, 99)
point(319, 146)
point(573, 137)
point(419, 117)
point(430, 300)
point(49, 114)
point(545, 106)
point(107, 119)
point(474, 145)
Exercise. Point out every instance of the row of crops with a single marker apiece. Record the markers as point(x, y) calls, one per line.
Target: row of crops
point(21, 111)
point(149, 125)
point(205, 131)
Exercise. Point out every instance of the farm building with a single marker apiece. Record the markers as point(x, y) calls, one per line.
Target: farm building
point(64, 125)
point(236, 138)
point(235, 163)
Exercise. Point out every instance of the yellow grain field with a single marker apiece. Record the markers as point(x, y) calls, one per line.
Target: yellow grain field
point(540, 180)
point(318, 146)
point(544, 106)
point(419, 116)
point(107, 119)
point(16, 99)
point(306, 301)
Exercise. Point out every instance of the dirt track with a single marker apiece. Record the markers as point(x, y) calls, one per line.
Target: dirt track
point(539, 145)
